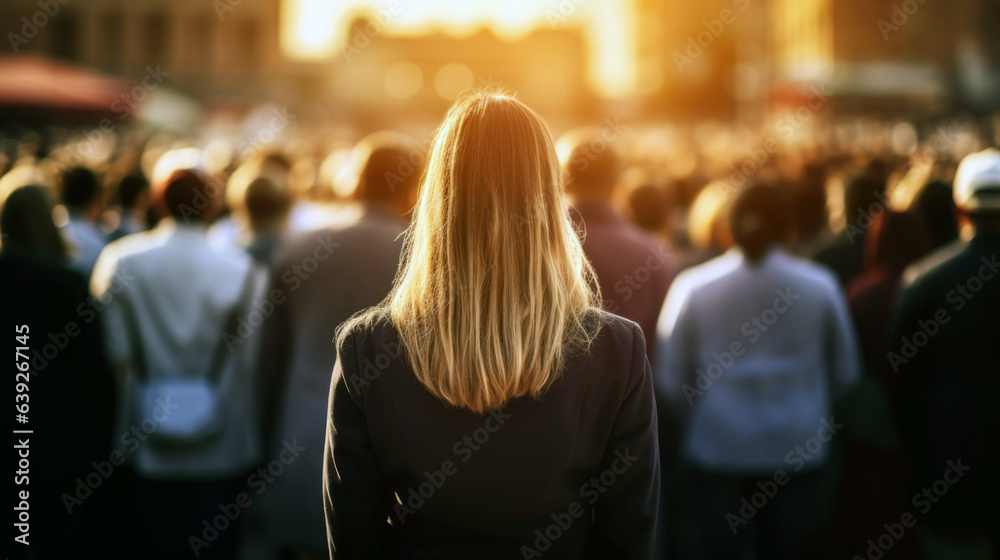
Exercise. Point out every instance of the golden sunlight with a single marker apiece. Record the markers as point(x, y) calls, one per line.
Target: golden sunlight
point(316, 29)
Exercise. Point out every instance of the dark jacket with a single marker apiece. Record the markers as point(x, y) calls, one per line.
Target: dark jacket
point(572, 475)
point(944, 361)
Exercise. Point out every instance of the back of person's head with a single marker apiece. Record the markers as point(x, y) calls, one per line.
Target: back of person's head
point(977, 189)
point(761, 218)
point(183, 197)
point(272, 166)
point(80, 187)
point(864, 196)
point(130, 190)
point(897, 239)
point(494, 290)
point(391, 167)
point(648, 207)
point(591, 166)
point(267, 205)
point(26, 221)
point(935, 205)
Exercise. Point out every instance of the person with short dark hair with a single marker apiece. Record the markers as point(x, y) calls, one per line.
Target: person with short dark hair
point(84, 201)
point(633, 268)
point(176, 310)
point(267, 207)
point(942, 357)
point(753, 347)
point(133, 205)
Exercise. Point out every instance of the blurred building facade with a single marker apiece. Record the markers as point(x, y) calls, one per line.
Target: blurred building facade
point(719, 58)
point(219, 50)
point(744, 57)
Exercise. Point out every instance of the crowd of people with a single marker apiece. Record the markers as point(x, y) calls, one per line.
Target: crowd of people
point(818, 313)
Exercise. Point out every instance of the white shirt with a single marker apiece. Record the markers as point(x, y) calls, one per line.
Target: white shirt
point(181, 291)
point(749, 354)
point(86, 240)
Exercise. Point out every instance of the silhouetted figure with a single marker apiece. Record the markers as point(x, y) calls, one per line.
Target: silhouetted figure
point(944, 335)
point(69, 399)
point(864, 199)
point(874, 481)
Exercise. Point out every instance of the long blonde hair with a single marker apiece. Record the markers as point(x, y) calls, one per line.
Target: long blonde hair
point(494, 291)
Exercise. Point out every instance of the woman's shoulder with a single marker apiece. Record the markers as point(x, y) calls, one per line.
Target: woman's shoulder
point(619, 328)
point(371, 327)
point(618, 346)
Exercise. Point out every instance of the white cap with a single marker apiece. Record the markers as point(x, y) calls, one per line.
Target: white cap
point(977, 182)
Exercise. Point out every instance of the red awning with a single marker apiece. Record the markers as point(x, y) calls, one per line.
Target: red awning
point(34, 85)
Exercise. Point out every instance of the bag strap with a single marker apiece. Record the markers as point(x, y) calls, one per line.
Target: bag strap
point(222, 350)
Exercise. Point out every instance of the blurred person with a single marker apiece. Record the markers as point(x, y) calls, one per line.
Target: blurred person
point(943, 329)
point(649, 208)
point(633, 268)
point(874, 483)
point(754, 346)
point(357, 263)
point(267, 208)
point(935, 204)
point(133, 206)
point(810, 209)
point(174, 339)
point(234, 229)
point(864, 199)
point(490, 374)
point(69, 378)
point(950, 232)
point(81, 194)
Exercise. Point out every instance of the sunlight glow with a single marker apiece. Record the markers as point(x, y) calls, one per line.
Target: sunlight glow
point(317, 29)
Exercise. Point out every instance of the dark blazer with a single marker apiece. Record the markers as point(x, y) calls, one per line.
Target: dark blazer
point(572, 475)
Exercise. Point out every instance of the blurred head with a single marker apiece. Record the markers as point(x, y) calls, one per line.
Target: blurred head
point(133, 192)
point(896, 240)
point(977, 189)
point(761, 218)
point(391, 169)
point(935, 205)
point(80, 189)
point(494, 289)
point(648, 207)
point(267, 205)
point(26, 221)
point(864, 196)
point(271, 166)
point(184, 197)
point(591, 167)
